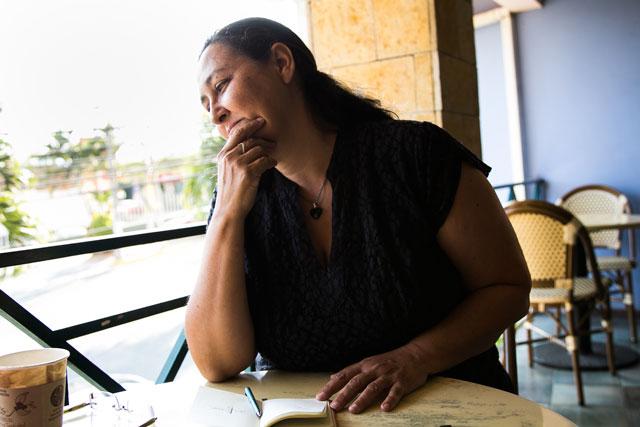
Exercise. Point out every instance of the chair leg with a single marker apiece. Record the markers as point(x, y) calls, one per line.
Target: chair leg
point(559, 314)
point(608, 327)
point(628, 302)
point(529, 338)
point(572, 348)
point(510, 352)
point(503, 357)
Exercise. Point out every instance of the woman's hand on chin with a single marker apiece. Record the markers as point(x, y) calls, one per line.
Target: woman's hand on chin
point(241, 163)
point(385, 377)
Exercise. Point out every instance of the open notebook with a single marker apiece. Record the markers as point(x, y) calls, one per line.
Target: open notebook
point(213, 408)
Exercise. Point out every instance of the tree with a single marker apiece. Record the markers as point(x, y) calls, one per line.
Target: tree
point(204, 173)
point(57, 161)
point(64, 160)
point(101, 151)
point(17, 222)
point(67, 164)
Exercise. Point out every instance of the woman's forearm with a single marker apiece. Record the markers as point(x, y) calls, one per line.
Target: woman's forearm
point(218, 324)
point(471, 328)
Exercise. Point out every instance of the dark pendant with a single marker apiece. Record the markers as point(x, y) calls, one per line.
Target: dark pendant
point(315, 211)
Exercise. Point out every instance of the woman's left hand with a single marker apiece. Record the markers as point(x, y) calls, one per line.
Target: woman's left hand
point(388, 376)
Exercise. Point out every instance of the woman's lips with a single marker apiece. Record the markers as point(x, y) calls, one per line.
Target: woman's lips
point(232, 126)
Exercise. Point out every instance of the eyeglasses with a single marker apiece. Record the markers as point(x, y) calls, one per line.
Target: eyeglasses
point(110, 410)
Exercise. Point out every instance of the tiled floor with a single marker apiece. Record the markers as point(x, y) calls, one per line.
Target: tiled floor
point(610, 400)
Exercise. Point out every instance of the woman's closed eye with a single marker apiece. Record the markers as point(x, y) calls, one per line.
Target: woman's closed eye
point(221, 85)
point(218, 87)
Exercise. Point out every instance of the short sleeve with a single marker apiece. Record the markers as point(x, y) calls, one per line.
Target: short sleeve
point(441, 157)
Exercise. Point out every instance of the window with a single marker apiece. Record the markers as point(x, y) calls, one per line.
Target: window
point(100, 108)
point(104, 133)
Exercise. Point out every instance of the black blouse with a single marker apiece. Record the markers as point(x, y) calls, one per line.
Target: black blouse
point(387, 279)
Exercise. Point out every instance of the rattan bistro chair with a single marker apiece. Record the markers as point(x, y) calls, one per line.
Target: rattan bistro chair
point(599, 199)
point(548, 235)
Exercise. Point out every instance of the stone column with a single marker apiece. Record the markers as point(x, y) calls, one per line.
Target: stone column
point(416, 56)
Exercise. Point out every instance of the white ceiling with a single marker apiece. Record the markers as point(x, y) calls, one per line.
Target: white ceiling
point(480, 6)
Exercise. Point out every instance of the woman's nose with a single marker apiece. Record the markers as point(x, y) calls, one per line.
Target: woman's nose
point(219, 115)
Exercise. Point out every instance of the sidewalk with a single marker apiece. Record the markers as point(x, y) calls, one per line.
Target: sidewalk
point(83, 288)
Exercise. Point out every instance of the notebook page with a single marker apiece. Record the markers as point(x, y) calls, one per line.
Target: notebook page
point(274, 410)
point(217, 408)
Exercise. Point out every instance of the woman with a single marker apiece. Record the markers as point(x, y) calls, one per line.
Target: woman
point(341, 239)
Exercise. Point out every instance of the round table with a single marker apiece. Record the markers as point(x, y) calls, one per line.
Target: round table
point(441, 401)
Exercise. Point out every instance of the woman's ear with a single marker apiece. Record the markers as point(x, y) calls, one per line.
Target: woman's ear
point(283, 61)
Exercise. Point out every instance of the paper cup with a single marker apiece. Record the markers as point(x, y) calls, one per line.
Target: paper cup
point(32, 388)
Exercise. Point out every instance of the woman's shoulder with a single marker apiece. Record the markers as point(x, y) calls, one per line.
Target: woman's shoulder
point(393, 128)
point(400, 134)
point(424, 142)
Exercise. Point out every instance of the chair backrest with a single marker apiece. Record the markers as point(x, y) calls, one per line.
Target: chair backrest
point(597, 199)
point(548, 235)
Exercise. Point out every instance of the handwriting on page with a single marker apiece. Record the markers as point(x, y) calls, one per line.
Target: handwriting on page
point(215, 408)
point(227, 409)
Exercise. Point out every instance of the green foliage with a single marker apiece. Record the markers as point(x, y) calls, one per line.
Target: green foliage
point(204, 174)
point(64, 159)
point(101, 220)
point(101, 224)
point(17, 222)
point(9, 168)
point(79, 160)
point(102, 197)
point(57, 160)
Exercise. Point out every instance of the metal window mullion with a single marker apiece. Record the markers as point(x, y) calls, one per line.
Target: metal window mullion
point(174, 361)
point(20, 256)
point(41, 333)
point(98, 325)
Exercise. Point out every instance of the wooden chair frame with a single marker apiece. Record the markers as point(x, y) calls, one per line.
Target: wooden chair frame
point(568, 336)
point(509, 356)
point(621, 285)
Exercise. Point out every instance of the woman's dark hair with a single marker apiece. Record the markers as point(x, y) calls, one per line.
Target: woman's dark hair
point(331, 103)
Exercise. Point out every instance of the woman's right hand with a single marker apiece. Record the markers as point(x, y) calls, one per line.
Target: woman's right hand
point(239, 174)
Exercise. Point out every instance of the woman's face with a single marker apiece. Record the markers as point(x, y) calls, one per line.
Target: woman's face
point(234, 88)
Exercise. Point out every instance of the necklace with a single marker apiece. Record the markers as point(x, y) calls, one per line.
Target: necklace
point(316, 210)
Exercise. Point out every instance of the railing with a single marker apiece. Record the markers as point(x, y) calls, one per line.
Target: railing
point(148, 204)
point(28, 323)
point(32, 326)
point(532, 189)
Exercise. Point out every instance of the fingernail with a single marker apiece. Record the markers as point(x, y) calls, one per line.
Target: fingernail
point(260, 120)
point(353, 408)
point(320, 396)
point(334, 406)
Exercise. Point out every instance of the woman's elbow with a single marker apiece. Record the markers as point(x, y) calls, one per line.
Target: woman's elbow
point(524, 307)
point(523, 298)
point(215, 375)
point(218, 367)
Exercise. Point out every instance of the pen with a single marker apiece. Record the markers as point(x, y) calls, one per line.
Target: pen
point(76, 407)
point(252, 400)
point(150, 422)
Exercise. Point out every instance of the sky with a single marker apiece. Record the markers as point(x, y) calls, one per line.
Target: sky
point(74, 65)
